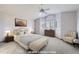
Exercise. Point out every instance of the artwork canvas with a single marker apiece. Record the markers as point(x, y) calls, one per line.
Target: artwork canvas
point(20, 22)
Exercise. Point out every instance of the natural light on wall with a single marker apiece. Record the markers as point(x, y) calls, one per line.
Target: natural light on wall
point(30, 30)
point(7, 32)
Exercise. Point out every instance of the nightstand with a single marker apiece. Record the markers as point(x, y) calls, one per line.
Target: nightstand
point(9, 38)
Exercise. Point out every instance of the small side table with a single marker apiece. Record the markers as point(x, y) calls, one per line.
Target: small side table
point(9, 38)
point(76, 42)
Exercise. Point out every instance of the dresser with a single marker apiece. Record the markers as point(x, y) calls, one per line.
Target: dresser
point(50, 33)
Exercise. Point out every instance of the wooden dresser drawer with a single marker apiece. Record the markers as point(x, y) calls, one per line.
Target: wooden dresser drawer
point(50, 33)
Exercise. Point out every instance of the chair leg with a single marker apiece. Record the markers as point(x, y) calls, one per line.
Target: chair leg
point(74, 44)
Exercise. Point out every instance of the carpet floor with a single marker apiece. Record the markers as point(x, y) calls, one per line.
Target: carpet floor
point(57, 46)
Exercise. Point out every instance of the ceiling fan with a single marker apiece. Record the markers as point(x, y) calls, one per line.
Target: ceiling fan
point(44, 10)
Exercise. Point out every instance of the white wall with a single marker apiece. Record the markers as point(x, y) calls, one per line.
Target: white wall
point(58, 29)
point(66, 22)
point(37, 26)
point(78, 22)
point(7, 22)
point(1, 27)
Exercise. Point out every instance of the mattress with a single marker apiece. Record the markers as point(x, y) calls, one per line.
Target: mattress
point(28, 38)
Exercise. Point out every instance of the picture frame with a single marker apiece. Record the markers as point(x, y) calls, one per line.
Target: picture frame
point(20, 22)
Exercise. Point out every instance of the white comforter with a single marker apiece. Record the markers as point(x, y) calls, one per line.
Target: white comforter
point(11, 48)
point(28, 38)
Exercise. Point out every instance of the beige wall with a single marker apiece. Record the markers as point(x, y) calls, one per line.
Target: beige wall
point(66, 22)
point(69, 22)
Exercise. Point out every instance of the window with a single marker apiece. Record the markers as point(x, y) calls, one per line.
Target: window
point(50, 21)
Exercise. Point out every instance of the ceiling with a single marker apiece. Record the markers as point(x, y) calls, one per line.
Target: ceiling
point(31, 11)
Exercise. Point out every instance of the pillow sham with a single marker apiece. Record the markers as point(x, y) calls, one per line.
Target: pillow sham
point(21, 31)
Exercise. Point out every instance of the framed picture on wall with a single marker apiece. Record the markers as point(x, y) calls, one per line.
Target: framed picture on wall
point(20, 22)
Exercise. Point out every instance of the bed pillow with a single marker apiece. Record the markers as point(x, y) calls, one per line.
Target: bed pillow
point(38, 44)
point(21, 31)
point(17, 40)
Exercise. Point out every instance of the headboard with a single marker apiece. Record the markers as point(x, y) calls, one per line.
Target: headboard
point(20, 31)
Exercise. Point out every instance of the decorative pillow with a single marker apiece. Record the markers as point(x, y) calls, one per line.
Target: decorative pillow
point(21, 31)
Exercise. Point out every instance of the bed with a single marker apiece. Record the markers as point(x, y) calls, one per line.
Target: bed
point(32, 41)
point(23, 43)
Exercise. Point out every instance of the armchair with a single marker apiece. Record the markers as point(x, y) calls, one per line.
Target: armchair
point(70, 37)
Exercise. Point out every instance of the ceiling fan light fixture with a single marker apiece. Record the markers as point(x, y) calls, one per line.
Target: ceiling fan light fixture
point(42, 14)
point(42, 10)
